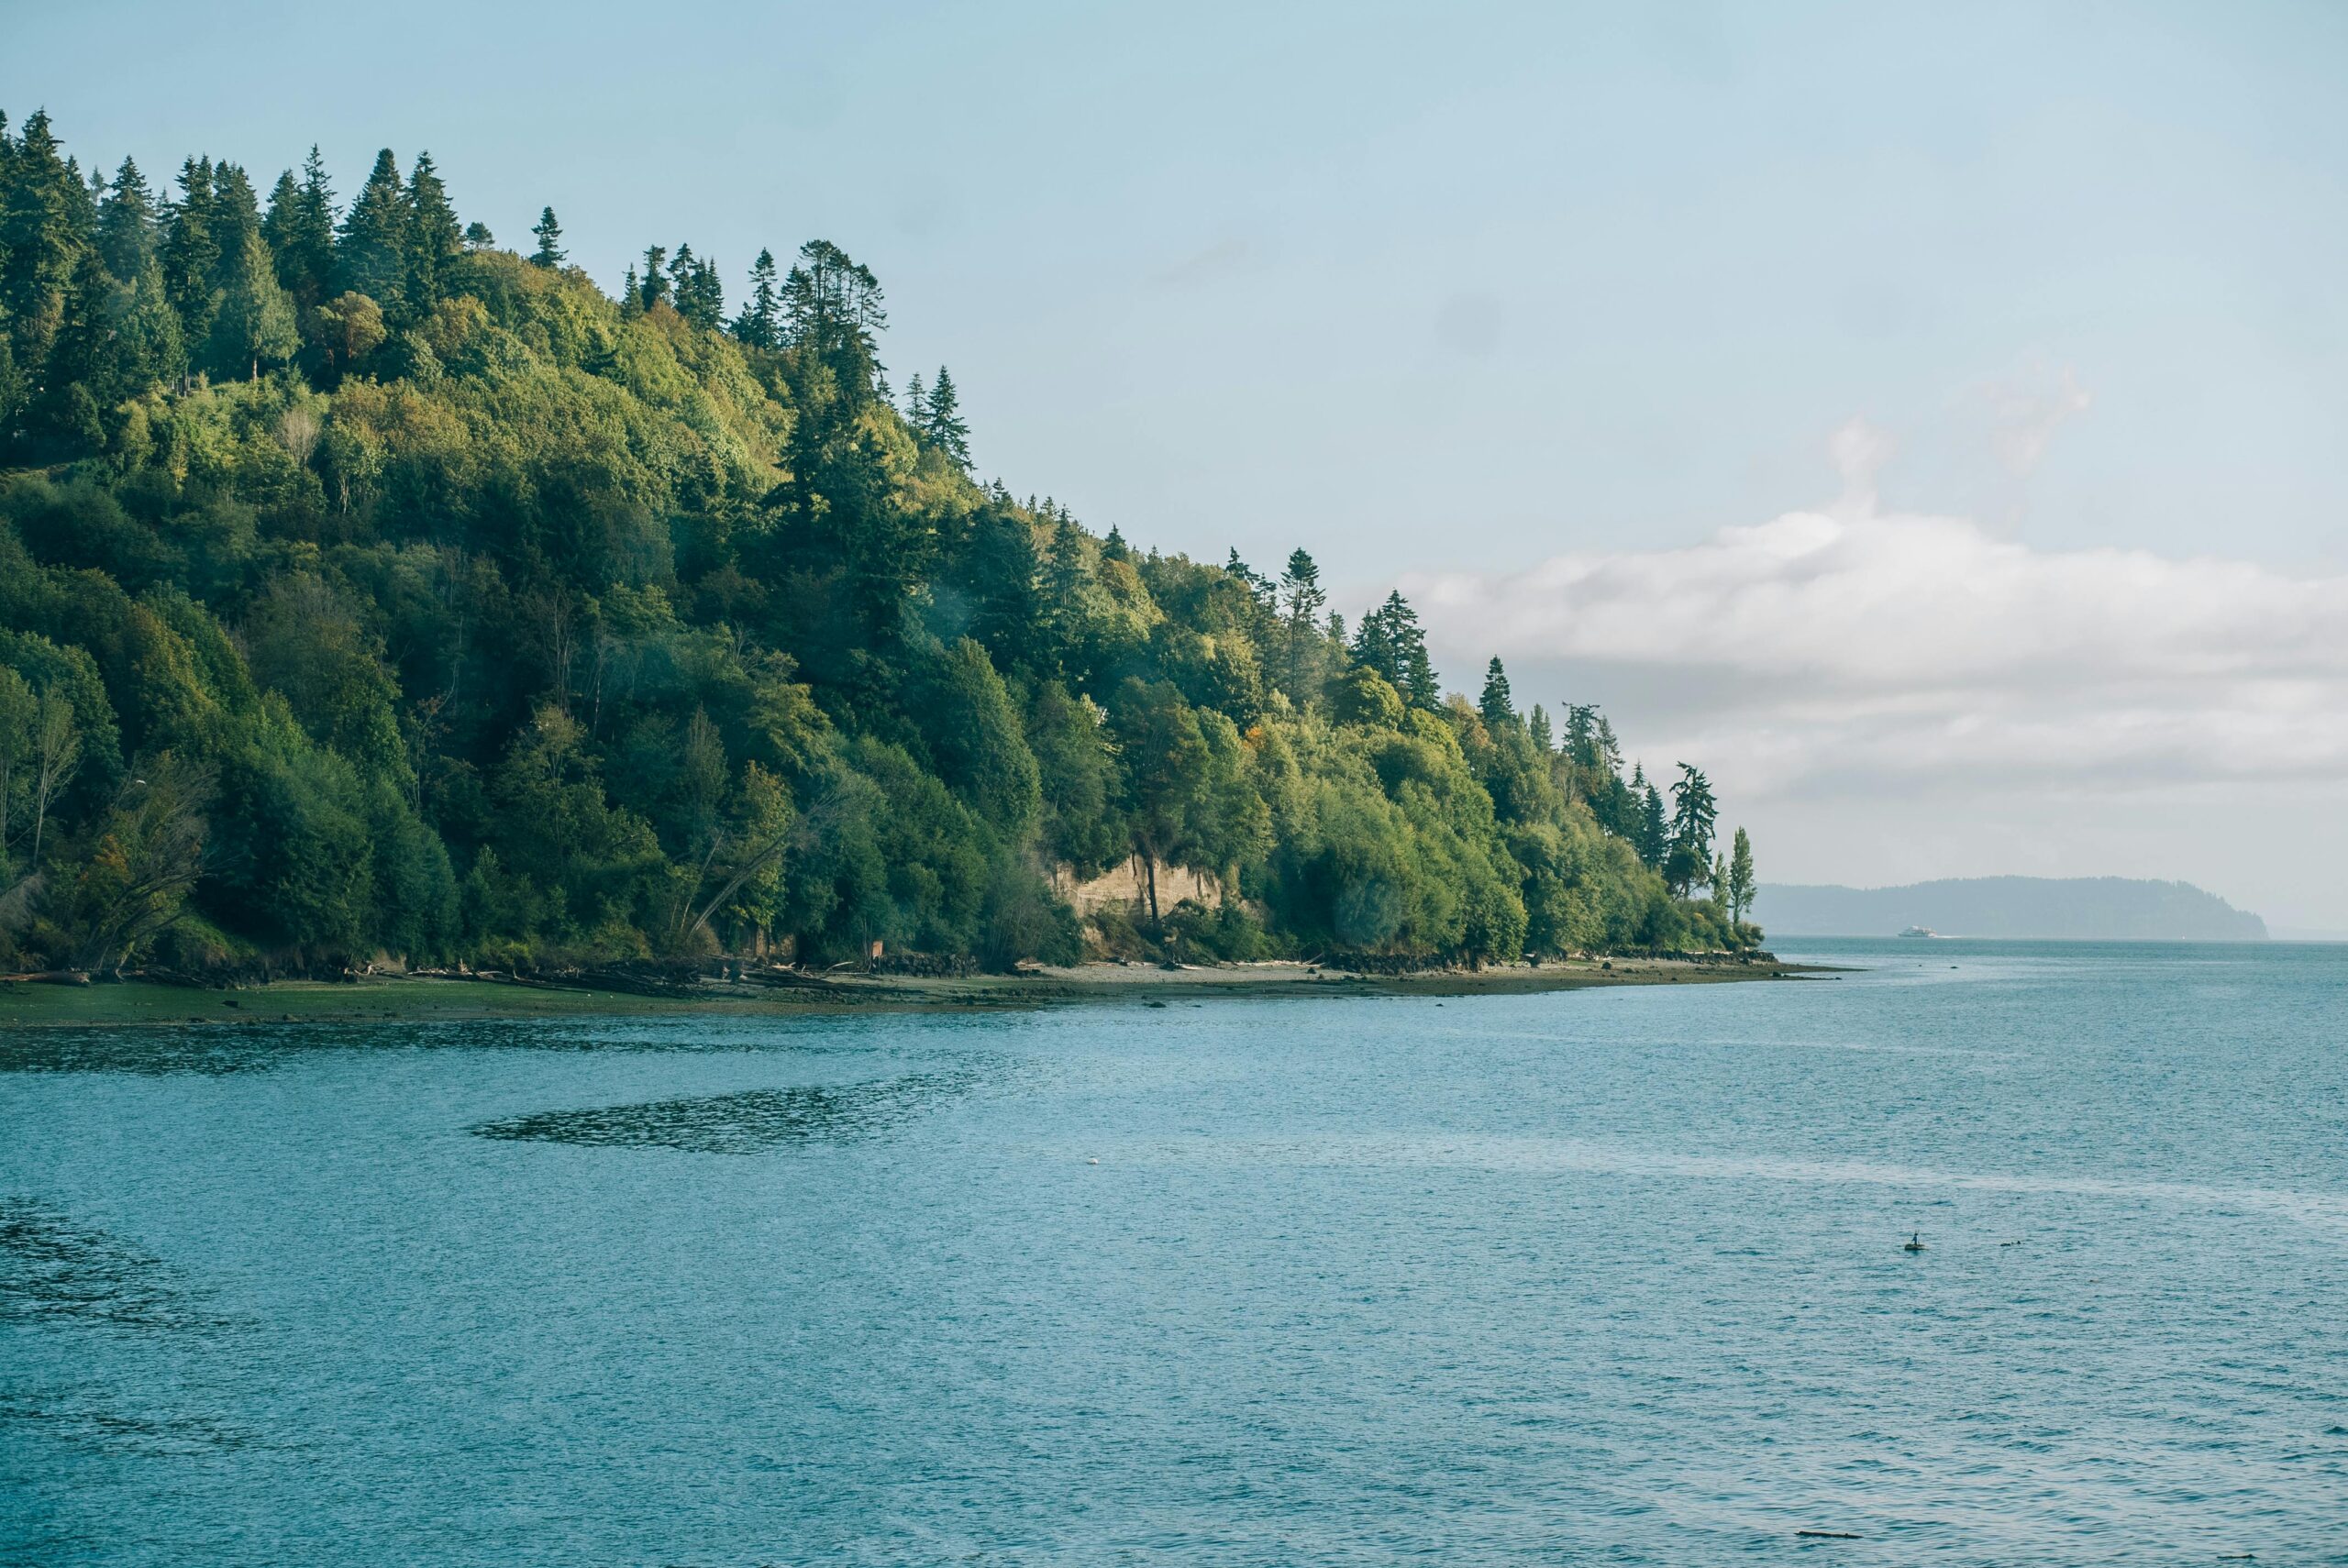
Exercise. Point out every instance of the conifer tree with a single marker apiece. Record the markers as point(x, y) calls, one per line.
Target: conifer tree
point(916, 401)
point(1653, 840)
point(190, 251)
point(832, 309)
point(760, 323)
point(1390, 642)
point(653, 287)
point(129, 228)
point(941, 420)
point(1301, 594)
point(1537, 726)
point(1496, 705)
point(46, 222)
point(549, 253)
point(300, 231)
point(435, 237)
point(1688, 862)
point(370, 256)
point(478, 236)
point(700, 295)
point(255, 321)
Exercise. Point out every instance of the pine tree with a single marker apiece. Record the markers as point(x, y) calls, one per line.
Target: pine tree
point(1390, 642)
point(46, 219)
point(434, 238)
point(129, 231)
point(1301, 592)
point(256, 320)
point(370, 256)
point(300, 231)
point(478, 236)
point(191, 252)
point(942, 422)
point(760, 324)
point(654, 286)
point(832, 309)
point(700, 295)
point(1655, 827)
point(1496, 705)
point(549, 253)
point(1690, 860)
point(1537, 726)
point(235, 214)
point(915, 402)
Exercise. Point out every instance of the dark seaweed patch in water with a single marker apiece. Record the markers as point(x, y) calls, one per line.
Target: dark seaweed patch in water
point(111, 1431)
point(50, 1267)
point(745, 1122)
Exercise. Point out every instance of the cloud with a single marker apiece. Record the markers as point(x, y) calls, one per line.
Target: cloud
point(1847, 650)
point(2025, 410)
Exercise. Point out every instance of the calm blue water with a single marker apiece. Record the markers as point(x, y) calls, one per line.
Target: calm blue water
point(1601, 1277)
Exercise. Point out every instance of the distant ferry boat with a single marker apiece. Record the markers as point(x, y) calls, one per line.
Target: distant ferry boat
point(1920, 931)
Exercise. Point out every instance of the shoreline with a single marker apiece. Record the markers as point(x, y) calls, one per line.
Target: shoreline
point(137, 1003)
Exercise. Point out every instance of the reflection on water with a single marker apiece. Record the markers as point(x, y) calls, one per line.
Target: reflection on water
point(745, 1123)
point(50, 1267)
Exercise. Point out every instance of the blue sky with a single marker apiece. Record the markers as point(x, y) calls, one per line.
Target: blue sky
point(1462, 288)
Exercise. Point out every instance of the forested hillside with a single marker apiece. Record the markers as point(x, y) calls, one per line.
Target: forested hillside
point(367, 589)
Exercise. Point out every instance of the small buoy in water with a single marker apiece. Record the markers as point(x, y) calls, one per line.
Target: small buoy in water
point(1093, 1162)
point(1914, 1244)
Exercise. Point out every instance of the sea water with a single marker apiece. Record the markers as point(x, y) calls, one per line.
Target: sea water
point(1603, 1276)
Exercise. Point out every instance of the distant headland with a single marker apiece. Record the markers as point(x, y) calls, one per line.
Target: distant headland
point(2109, 909)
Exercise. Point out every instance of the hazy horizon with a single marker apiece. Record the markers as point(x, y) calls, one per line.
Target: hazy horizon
point(1930, 428)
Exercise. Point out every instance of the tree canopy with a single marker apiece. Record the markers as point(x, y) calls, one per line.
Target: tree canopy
point(370, 590)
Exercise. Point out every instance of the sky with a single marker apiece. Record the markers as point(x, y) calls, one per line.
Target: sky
point(1927, 418)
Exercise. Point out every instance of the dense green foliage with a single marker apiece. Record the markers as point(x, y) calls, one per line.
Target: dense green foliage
point(366, 589)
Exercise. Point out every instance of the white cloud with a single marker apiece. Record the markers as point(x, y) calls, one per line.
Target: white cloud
point(1850, 650)
point(2025, 410)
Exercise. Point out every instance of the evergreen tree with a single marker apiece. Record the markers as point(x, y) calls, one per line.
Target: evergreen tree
point(1496, 705)
point(1655, 827)
point(46, 222)
point(653, 286)
point(300, 231)
point(942, 422)
point(191, 252)
point(255, 325)
point(434, 238)
point(916, 401)
point(549, 253)
point(478, 236)
point(832, 311)
point(701, 296)
point(1689, 863)
point(1301, 595)
point(1537, 727)
point(371, 255)
point(760, 324)
point(129, 228)
point(1390, 642)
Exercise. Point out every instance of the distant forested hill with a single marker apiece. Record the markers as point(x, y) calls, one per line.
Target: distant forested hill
point(2112, 909)
point(367, 588)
